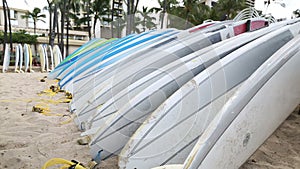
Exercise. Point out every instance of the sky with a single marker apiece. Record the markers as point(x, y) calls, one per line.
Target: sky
point(274, 8)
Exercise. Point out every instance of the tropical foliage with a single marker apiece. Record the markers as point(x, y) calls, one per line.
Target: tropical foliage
point(101, 10)
point(36, 16)
point(20, 37)
point(192, 12)
point(147, 20)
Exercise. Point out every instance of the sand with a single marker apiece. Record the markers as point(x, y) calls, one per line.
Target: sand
point(28, 139)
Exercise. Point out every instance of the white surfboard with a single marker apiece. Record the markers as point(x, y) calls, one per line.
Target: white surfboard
point(261, 104)
point(46, 58)
point(57, 55)
point(27, 57)
point(6, 59)
point(42, 57)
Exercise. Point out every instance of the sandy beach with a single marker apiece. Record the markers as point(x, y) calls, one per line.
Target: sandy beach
point(29, 139)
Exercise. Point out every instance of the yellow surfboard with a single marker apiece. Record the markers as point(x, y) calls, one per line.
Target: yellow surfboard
point(30, 58)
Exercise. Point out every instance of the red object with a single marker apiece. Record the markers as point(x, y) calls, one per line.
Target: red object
point(201, 27)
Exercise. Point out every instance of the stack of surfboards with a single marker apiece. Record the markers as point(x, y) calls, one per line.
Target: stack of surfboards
point(206, 97)
point(80, 55)
point(49, 63)
point(23, 57)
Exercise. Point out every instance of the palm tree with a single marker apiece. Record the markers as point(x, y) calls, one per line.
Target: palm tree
point(199, 13)
point(147, 20)
point(170, 7)
point(190, 8)
point(122, 23)
point(101, 11)
point(229, 8)
point(36, 16)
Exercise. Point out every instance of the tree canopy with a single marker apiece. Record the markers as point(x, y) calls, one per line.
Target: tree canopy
point(21, 37)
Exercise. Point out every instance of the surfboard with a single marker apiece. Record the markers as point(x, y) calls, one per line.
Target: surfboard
point(21, 55)
point(46, 57)
point(30, 59)
point(6, 59)
point(42, 58)
point(57, 55)
point(17, 58)
point(259, 106)
point(26, 56)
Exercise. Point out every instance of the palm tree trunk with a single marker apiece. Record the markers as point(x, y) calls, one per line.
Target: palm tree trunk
point(5, 27)
point(187, 14)
point(132, 8)
point(34, 27)
point(34, 30)
point(94, 25)
point(9, 26)
point(50, 21)
point(67, 43)
point(128, 25)
point(88, 15)
point(55, 21)
point(57, 30)
point(163, 14)
point(62, 10)
point(50, 28)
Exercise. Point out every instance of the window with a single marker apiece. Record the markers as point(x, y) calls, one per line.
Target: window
point(14, 22)
point(13, 14)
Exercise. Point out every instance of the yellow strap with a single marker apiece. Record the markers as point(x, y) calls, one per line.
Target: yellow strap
point(59, 161)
